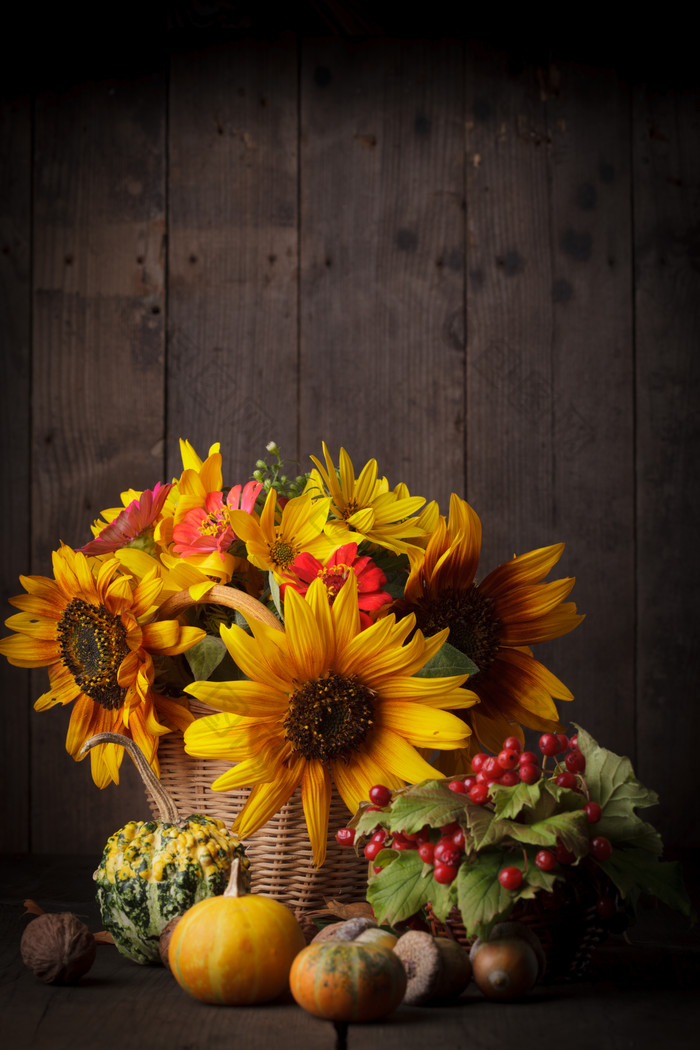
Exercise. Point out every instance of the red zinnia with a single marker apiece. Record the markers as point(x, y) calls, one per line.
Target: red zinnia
point(335, 572)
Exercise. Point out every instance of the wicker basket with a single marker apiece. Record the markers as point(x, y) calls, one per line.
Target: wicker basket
point(569, 933)
point(281, 859)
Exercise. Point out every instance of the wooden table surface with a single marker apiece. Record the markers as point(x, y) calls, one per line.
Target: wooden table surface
point(640, 992)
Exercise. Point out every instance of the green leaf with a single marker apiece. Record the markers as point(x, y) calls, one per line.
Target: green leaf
point(275, 595)
point(446, 662)
point(611, 781)
point(571, 828)
point(401, 889)
point(510, 802)
point(204, 657)
point(481, 899)
point(633, 870)
point(430, 802)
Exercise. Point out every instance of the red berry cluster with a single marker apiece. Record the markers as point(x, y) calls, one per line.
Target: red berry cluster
point(511, 766)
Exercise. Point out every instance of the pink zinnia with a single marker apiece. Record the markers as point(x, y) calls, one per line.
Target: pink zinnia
point(335, 572)
point(207, 529)
point(132, 524)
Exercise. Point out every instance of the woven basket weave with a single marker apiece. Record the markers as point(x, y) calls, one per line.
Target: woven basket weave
point(281, 858)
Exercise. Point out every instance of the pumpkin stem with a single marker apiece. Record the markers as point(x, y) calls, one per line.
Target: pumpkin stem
point(232, 598)
point(167, 810)
point(236, 884)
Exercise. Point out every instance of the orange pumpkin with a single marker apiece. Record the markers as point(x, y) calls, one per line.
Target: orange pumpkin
point(235, 950)
point(347, 980)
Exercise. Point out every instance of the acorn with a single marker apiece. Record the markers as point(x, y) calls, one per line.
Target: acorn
point(436, 967)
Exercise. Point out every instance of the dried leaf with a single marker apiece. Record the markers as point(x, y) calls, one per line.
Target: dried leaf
point(32, 908)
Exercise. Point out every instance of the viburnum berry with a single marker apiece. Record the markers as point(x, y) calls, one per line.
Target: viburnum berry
point(605, 907)
point(418, 836)
point(573, 742)
point(508, 758)
point(529, 773)
point(372, 849)
point(444, 873)
point(575, 762)
point(380, 795)
point(563, 741)
point(479, 794)
point(376, 868)
point(512, 743)
point(379, 836)
point(601, 848)
point(469, 783)
point(458, 839)
point(510, 878)
point(478, 761)
point(446, 853)
point(449, 829)
point(545, 860)
point(426, 852)
point(510, 778)
point(345, 836)
point(549, 744)
point(458, 787)
point(399, 842)
point(528, 758)
point(593, 812)
point(566, 780)
point(491, 768)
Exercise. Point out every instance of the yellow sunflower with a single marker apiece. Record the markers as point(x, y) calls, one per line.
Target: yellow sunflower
point(275, 540)
point(325, 699)
point(88, 627)
point(493, 623)
point(366, 509)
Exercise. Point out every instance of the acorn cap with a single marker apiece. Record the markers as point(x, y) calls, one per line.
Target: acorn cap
point(420, 955)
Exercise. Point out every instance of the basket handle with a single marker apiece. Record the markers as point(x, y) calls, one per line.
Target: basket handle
point(249, 607)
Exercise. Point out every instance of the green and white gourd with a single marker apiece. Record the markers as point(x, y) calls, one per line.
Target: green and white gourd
point(154, 870)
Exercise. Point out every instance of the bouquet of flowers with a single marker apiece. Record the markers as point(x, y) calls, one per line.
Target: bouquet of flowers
point(332, 623)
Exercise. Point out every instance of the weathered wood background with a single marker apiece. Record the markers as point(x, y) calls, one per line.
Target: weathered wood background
point(475, 263)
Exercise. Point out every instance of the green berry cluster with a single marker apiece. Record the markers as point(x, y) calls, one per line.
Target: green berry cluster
point(270, 472)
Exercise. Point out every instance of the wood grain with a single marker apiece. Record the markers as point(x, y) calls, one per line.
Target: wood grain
point(15, 469)
point(97, 373)
point(592, 423)
point(667, 395)
point(232, 295)
point(382, 328)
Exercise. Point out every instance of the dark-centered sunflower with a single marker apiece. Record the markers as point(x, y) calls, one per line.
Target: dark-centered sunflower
point(88, 627)
point(493, 623)
point(325, 700)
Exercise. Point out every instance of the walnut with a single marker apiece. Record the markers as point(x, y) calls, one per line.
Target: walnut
point(58, 948)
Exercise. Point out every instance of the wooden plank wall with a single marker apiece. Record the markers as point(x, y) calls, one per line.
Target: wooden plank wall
point(476, 265)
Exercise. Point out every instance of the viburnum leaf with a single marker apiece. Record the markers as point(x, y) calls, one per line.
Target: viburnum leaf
point(481, 899)
point(204, 657)
point(634, 871)
point(447, 661)
point(510, 802)
point(571, 828)
point(611, 782)
point(401, 889)
point(430, 802)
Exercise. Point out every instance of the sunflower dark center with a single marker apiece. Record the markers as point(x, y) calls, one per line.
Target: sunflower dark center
point(329, 718)
point(93, 644)
point(474, 628)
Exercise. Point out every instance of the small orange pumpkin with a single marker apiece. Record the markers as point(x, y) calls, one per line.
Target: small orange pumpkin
point(347, 980)
point(233, 950)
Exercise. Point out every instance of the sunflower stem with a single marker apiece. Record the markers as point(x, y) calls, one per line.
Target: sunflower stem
point(167, 810)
